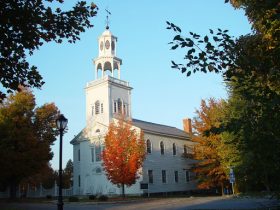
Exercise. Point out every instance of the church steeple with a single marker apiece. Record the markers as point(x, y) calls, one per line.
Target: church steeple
point(107, 96)
point(107, 59)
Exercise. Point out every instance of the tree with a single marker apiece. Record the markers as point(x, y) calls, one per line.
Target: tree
point(124, 153)
point(250, 65)
point(254, 118)
point(46, 177)
point(68, 174)
point(27, 25)
point(212, 166)
point(264, 17)
point(26, 135)
point(219, 52)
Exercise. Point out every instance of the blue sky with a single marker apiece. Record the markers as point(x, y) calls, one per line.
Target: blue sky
point(160, 94)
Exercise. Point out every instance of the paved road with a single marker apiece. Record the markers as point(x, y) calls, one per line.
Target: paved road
point(154, 204)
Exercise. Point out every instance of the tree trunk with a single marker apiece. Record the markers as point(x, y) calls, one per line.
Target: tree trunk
point(123, 194)
point(222, 188)
point(13, 190)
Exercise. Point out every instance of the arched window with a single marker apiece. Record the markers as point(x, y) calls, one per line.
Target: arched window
point(148, 145)
point(119, 106)
point(174, 149)
point(97, 105)
point(161, 148)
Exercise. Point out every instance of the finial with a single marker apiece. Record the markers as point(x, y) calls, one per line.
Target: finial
point(107, 18)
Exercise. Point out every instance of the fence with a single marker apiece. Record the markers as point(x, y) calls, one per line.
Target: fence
point(38, 192)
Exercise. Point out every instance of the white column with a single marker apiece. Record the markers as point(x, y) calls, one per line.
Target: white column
point(102, 73)
point(119, 71)
point(115, 47)
point(129, 106)
point(96, 72)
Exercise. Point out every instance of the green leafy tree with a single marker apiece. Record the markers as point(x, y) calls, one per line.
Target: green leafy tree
point(256, 53)
point(27, 132)
point(250, 66)
point(27, 25)
point(264, 16)
point(68, 174)
point(254, 118)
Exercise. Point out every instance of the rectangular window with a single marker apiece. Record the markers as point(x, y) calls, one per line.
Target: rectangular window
point(163, 176)
point(115, 107)
point(92, 110)
point(124, 109)
point(187, 176)
point(161, 148)
point(97, 104)
point(101, 108)
point(185, 149)
point(148, 145)
point(79, 181)
point(176, 177)
point(174, 149)
point(150, 175)
point(97, 153)
point(92, 154)
point(79, 155)
point(120, 106)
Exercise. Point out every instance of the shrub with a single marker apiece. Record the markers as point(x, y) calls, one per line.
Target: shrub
point(103, 198)
point(91, 197)
point(73, 199)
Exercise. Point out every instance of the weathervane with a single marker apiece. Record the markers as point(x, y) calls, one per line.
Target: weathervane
point(107, 18)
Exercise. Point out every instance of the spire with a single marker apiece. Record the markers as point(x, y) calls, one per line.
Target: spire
point(107, 18)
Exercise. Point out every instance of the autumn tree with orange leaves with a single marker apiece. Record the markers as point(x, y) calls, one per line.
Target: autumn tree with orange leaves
point(124, 153)
point(214, 155)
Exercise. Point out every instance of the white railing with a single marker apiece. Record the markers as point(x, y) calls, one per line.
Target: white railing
point(107, 78)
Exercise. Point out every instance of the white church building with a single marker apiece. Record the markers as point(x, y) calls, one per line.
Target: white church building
point(164, 169)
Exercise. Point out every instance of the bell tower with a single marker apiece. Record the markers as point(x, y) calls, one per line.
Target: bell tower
point(107, 59)
point(107, 95)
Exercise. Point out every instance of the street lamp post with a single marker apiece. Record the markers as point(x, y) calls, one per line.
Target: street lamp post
point(61, 123)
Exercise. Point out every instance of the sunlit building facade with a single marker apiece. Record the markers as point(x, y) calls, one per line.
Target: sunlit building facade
point(165, 169)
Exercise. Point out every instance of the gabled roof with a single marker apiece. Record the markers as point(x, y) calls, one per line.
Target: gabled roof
point(159, 129)
point(148, 127)
point(77, 137)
